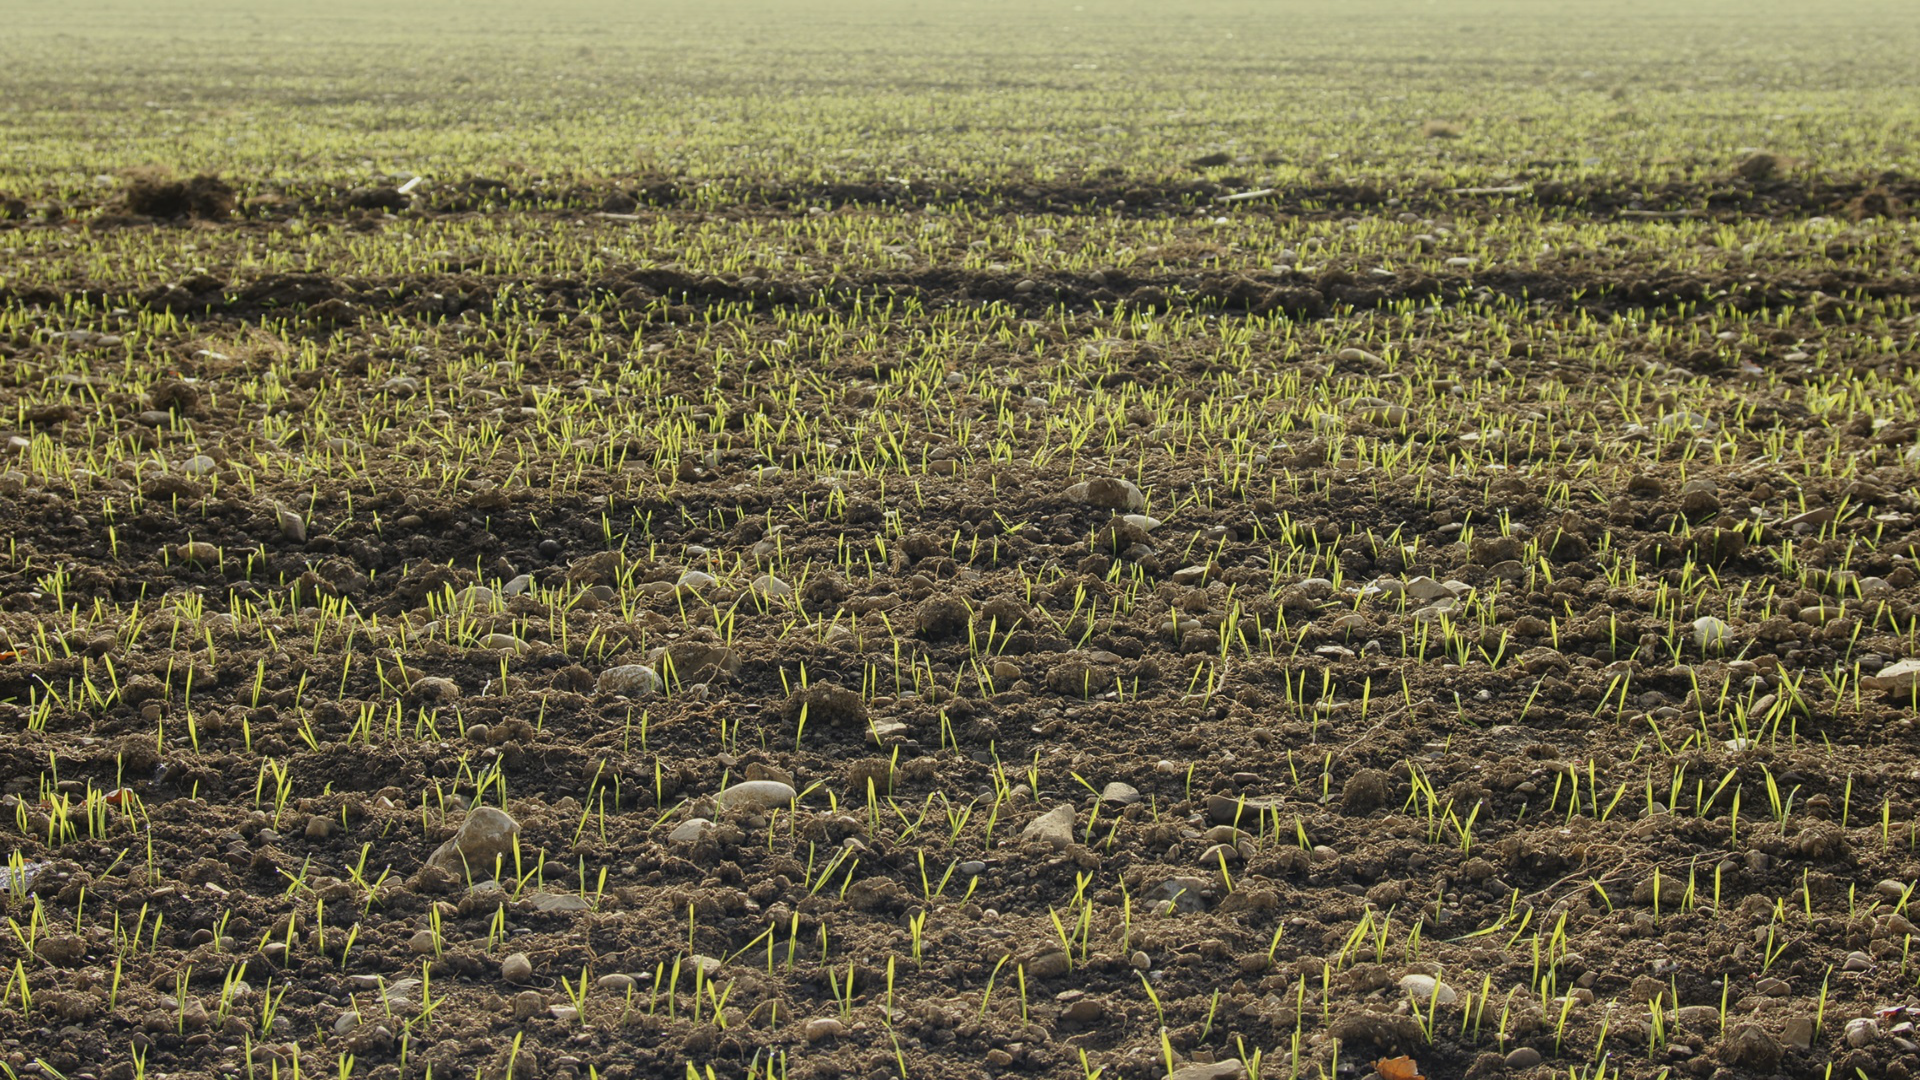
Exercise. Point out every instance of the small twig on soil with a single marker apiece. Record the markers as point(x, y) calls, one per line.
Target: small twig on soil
point(1395, 714)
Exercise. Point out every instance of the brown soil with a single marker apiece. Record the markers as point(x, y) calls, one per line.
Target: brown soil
point(1747, 192)
point(1017, 661)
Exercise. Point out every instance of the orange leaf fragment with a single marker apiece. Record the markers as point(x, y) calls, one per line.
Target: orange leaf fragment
point(1400, 1068)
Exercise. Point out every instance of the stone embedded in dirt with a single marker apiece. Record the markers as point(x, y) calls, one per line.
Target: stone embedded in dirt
point(1054, 827)
point(423, 943)
point(1141, 521)
point(628, 680)
point(1084, 1010)
point(517, 968)
point(433, 689)
point(1861, 1030)
point(292, 526)
point(1049, 965)
point(1426, 988)
point(1228, 810)
point(527, 1004)
point(484, 837)
point(1750, 1047)
point(1697, 1017)
point(1189, 576)
point(1895, 678)
point(1230, 1069)
point(1117, 792)
point(1710, 632)
point(695, 580)
point(551, 902)
point(1384, 413)
point(1522, 1058)
point(1217, 855)
point(1111, 493)
point(1178, 895)
point(822, 1029)
point(691, 831)
point(503, 643)
point(198, 551)
point(1798, 1033)
point(768, 585)
point(615, 983)
point(1426, 590)
point(473, 597)
point(756, 795)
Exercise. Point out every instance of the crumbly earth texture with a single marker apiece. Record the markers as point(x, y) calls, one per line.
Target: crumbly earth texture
point(1052, 623)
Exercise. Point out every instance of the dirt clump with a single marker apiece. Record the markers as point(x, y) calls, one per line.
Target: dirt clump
point(205, 196)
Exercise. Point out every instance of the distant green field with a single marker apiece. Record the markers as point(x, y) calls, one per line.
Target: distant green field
point(1292, 92)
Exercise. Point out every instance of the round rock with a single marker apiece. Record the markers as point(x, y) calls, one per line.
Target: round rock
point(629, 680)
point(756, 795)
point(516, 968)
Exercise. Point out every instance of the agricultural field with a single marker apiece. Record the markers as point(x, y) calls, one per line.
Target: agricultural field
point(884, 539)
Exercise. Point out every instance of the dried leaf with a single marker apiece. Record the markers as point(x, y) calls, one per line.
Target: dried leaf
point(1400, 1068)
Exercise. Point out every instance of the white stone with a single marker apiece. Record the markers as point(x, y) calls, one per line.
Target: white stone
point(755, 795)
point(473, 596)
point(1710, 632)
point(503, 643)
point(1895, 678)
point(1426, 988)
point(690, 831)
